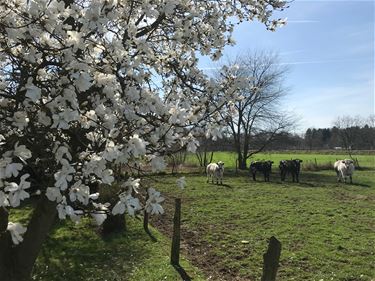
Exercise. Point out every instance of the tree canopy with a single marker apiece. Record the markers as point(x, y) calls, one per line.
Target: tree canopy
point(85, 84)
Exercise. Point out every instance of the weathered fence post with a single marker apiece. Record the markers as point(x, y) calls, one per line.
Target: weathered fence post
point(271, 260)
point(175, 251)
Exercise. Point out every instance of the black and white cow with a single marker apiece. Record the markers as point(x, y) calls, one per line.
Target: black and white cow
point(264, 167)
point(290, 166)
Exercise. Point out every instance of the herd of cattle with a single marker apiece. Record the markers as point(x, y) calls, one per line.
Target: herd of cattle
point(344, 169)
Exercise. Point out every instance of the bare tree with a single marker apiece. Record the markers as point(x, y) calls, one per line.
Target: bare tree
point(258, 114)
point(204, 153)
point(349, 127)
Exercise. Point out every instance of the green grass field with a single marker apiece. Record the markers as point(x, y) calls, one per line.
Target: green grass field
point(229, 158)
point(327, 230)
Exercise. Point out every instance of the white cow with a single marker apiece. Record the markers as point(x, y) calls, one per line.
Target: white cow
point(344, 168)
point(215, 170)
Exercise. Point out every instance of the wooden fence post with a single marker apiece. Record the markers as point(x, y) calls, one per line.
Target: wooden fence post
point(175, 251)
point(271, 260)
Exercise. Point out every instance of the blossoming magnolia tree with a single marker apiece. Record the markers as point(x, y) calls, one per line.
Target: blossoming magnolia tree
point(85, 84)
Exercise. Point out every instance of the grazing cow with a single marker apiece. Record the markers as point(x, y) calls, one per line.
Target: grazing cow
point(215, 170)
point(261, 166)
point(344, 168)
point(290, 166)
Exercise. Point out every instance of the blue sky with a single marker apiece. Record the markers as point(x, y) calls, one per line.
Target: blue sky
point(329, 47)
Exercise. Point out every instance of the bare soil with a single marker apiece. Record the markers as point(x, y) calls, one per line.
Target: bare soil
point(197, 250)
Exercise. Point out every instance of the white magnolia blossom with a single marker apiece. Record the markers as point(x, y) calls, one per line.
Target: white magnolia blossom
point(112, 151)
point(82, 80)
point(32, 91)
point(94, 196)
point(214, 133)
point(111, 85)
point(127, 203)
point(12, 170)
point(64, 175)
point(54, 194)
point(153, 202)
point(22, 152)
point(16, 230)
point(20, 119)
point(192, 145)
point(181, 182)
point(63, 210)
point(79, 192)
point(158, 164)
point(61, 152)
point(100, 214)
point(136, 146)
point(107, 176)
point(3, 199)
point(17, 191)
point(43, 118)
point(132, 185)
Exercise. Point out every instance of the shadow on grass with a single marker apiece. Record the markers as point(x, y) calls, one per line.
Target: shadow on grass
point(309, 179)
point(75, 252)
point(226, 185)
point(182, 272)
point(220, 185)
point(313, 179)
point(360, 184)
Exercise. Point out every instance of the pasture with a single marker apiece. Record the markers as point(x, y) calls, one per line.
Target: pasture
point(323, 159)
point(327, 230)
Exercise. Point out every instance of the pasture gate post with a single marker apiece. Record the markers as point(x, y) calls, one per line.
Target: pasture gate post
point(175, 251)
point(271, 260)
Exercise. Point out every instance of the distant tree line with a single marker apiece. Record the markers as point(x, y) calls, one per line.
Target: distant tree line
point(353, 138)
point(348, 133)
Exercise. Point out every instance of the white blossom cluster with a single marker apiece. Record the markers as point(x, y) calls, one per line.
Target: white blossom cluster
point(88, 84)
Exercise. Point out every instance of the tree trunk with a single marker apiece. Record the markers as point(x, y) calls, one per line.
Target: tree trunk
point(5, 261)
point(17, 261)
point(240, 156)
point(114, 224)
point(242, 164)
point(241, 161)
point(5, 246)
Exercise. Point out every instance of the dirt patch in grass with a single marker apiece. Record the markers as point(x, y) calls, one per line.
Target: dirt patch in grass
point(350, 197)
point(196, 249)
